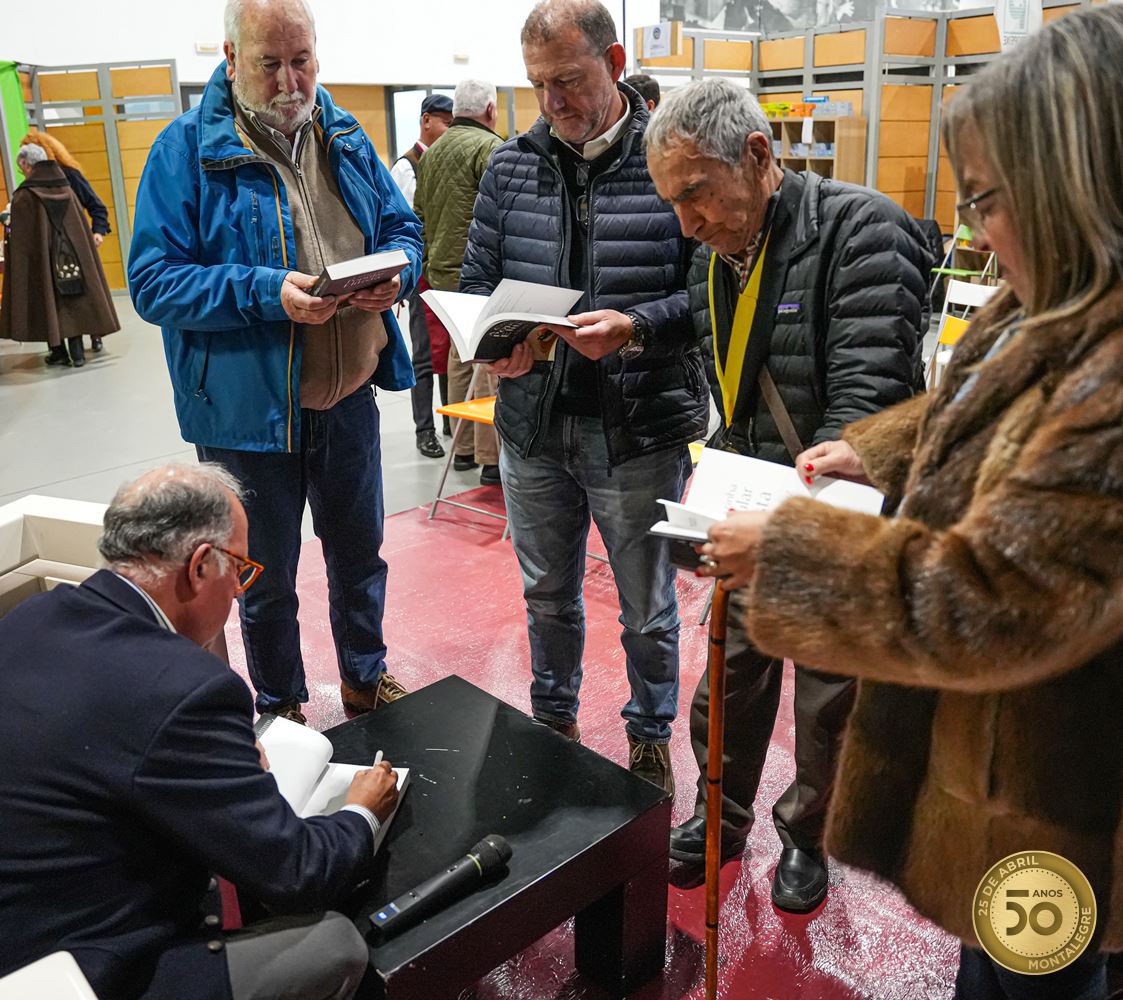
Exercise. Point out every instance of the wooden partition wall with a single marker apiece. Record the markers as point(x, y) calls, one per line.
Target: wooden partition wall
point(896, 71)
point(107, 115)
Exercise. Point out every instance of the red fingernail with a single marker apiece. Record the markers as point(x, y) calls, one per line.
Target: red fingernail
point(809, 480)
point(697, 572)
point(809, 467)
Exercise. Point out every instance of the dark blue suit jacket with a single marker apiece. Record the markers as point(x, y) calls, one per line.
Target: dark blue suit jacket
point(128, 775)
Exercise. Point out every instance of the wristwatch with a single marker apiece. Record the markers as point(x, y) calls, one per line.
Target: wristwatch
point(634, 346)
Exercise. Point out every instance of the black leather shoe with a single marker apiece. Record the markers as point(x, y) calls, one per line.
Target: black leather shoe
point(464, 463)
point(96, 345)
point(58, 356)
point(489, 476)
point(429, 446)
point(688, 842)
point(800, 883)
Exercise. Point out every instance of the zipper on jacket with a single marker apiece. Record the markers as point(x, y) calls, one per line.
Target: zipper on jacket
point(201, 390)
point(590, 270)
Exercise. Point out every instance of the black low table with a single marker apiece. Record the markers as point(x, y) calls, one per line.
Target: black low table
point(589, 839)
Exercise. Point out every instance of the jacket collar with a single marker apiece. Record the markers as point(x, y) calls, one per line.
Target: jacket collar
point(220, 145)
point(802, 193)
point(109, 586)
point(472, 123)
point(48, 173)
point(537, 138)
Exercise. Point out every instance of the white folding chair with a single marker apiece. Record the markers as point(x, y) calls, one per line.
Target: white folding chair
point(962, 298)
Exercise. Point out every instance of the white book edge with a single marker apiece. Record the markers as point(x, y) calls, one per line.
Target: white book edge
point(369, 262)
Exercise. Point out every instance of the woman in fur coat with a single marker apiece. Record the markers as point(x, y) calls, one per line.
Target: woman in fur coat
point(985, 620)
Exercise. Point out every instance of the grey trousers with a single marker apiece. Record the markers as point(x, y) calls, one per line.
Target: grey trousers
point(311, 957)
point(752, 696)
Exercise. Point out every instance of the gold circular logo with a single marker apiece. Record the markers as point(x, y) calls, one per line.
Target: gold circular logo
point(1034, 912)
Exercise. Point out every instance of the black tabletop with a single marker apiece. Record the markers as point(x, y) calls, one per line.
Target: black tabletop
point(479, 766)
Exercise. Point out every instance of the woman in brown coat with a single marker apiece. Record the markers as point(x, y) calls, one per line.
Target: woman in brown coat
point(985, 620)
point(54, 285)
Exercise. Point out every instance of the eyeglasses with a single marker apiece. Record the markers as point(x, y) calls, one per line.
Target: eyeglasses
point(973, 217)
point(248, 570)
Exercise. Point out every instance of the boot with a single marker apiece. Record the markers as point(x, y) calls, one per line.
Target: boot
point(77, 351)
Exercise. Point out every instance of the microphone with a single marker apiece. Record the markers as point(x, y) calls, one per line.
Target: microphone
point(487, 860)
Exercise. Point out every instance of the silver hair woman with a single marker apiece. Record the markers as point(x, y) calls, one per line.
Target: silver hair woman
point(985, 620)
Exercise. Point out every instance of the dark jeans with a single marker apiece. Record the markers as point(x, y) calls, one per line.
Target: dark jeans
point(421, 395)
point(338, 471)
point(752, 696)
point(551, 498)
point(981, 979)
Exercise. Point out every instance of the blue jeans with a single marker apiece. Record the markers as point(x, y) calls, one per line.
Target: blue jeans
point(550, 499)
point(339, 472)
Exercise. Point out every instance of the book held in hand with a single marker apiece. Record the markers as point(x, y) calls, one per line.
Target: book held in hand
point(353, 275)
point(487, 327)
point(299, 760)
point(724, 481)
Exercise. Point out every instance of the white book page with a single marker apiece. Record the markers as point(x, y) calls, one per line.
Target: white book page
point(330, 794)
point(297, 757)
point(546, 303)
point(459, 312)
point(724, 481)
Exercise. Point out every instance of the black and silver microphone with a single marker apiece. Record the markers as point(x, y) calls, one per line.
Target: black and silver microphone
point(487, 860)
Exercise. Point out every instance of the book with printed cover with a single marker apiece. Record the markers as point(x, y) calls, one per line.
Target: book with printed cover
point(361, 272)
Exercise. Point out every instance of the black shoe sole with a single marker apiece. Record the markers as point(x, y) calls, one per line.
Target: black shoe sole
point(464, 466)
point(432, 452)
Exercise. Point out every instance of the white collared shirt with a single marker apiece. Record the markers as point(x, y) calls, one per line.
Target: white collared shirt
point(594, 147)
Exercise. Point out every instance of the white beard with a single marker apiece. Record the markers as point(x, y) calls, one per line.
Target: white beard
point(282, 111)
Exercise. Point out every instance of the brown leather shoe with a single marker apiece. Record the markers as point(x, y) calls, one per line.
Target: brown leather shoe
point(385, 691)
point(570, 730)
point(652, 762)
point(289, 710)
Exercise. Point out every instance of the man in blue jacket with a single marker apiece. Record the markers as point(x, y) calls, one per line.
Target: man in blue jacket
point(243, 202)
point(600, 431)
point(130, 775)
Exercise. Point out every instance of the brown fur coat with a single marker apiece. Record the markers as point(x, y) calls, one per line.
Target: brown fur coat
point(985, 621)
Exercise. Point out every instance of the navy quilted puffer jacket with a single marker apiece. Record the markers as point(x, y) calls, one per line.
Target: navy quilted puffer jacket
point(521, 229)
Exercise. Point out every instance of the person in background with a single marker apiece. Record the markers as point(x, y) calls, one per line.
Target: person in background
point(429, 355)
point(87, 196)
point(600, 432)
point(819, 287)
point(984, 621)
point(448, 180)
point(647, 87)
point(131, 775)
point(54, 286)
point(271, 381)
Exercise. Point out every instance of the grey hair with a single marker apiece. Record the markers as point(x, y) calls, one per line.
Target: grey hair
point(31, 154)
point(472, 97)
point(551, 18)
point(236, 10)
point(716, 115)
point(154, 523)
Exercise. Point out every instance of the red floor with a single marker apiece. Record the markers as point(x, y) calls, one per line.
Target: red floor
point(454, 606)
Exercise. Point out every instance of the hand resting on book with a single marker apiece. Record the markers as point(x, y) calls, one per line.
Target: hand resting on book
point(376, 298)
point(730, 554)
point(301, 307)
point(377, 789)
point(598, 333)
point(519, 363)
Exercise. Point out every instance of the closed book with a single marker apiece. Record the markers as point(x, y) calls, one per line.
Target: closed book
point(361, 272)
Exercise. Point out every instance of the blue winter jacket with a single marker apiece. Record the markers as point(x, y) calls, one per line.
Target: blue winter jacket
point(212, 241)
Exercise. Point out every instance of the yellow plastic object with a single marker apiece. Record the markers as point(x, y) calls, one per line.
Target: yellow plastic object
point(952, 330)
point(481, 410)
point(696, 451)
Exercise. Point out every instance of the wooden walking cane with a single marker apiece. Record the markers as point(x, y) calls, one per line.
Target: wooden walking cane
point(715, 666)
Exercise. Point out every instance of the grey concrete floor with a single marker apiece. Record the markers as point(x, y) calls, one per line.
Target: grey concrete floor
point(80, 433)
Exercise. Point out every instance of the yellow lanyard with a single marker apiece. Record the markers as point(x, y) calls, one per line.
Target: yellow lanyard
point(730, 380)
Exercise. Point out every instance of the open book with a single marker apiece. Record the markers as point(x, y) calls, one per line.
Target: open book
point(360, 272)
point(487, 327)
point(724, 481)
point(299, 761)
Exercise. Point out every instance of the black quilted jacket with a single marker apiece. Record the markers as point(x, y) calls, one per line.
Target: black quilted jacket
point(846, 288)
point(521, 229)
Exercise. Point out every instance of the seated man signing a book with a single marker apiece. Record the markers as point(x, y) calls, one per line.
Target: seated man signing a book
point(811, 293)
point(130, 775)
